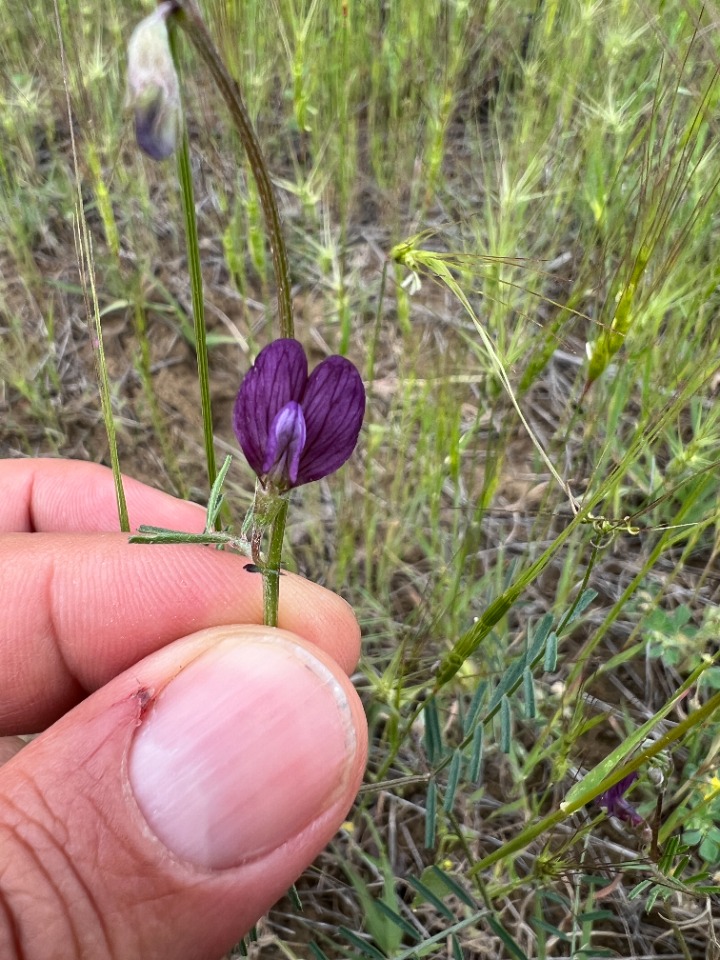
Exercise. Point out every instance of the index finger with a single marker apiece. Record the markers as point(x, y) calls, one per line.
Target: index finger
point(72, 496)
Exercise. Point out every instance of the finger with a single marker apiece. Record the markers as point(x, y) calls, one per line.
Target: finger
point(169, 810)
point(87, 606)
point(70, 495)
point(9, 746)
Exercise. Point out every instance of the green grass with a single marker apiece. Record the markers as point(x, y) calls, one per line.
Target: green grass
point(549, 173)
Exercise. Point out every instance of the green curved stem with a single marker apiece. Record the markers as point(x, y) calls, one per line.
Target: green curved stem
point(189, 18)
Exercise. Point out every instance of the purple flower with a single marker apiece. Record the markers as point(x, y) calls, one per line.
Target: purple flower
point(153, 87)
point(293, 428)
point(616, 804)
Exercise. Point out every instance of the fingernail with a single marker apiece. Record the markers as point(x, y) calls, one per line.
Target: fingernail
point(245, 747)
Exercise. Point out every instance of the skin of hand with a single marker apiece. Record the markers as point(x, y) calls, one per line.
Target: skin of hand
point(192, 761)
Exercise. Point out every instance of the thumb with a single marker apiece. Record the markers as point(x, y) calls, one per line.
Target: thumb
point(167, 812)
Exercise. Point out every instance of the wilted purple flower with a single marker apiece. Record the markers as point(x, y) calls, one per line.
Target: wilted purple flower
point(153, 88)
point(615, 803)
point(293, 428)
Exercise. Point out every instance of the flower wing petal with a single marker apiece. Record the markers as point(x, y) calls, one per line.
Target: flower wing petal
point(334, 406)
point(278, 376)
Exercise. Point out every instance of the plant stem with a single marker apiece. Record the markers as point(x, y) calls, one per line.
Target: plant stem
point(190, 19)
point(192, 245)
point(271, 571)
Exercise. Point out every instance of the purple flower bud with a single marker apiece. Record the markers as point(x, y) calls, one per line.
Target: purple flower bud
point(153, 88)
point(616, 804)
point(293, 428)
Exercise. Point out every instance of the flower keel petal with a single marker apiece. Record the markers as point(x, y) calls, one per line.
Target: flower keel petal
point(285, 445)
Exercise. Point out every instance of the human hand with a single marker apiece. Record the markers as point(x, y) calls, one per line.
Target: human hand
point(192, 767)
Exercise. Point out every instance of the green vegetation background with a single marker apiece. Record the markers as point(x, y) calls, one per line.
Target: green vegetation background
point(506, 214)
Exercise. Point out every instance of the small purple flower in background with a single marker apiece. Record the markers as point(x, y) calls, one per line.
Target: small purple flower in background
point(153, 87)
point(615, 803)
point(294, 428)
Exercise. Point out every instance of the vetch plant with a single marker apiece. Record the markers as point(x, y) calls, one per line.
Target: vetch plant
point(153, 89)
point(293, 427)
